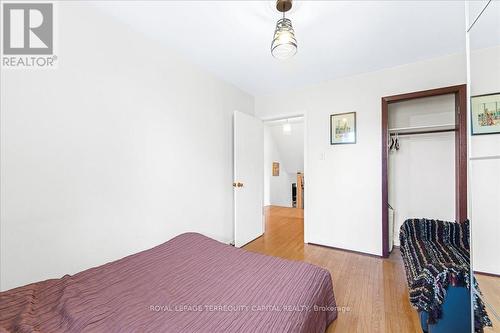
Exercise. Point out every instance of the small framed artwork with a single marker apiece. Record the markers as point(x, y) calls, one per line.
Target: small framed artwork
point(485, 114)
point(343, 128)
point(276, 169)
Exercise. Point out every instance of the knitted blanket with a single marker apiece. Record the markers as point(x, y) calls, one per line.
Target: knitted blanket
point(436, 254)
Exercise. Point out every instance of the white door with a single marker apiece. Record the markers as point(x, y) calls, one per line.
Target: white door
point(248, 178)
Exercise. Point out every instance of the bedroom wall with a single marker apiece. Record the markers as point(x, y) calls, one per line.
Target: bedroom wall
point(343, 189)
point(120, 148)
point(485, 175)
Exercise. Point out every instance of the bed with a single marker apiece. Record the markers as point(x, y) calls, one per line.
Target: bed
point(189, 284)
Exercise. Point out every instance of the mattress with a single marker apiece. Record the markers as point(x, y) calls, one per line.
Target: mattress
point(189, 284)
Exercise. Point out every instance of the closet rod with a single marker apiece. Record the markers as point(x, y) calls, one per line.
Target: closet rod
point(423, 129)
point(425, 132)
point(491, 157)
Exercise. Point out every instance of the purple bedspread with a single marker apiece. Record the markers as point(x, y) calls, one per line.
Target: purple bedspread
point(189, 284)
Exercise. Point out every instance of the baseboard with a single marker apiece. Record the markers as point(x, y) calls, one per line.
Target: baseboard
point(250, 241)
point(487, 274)
point(350, 251)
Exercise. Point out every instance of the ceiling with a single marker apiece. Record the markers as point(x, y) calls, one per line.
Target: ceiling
point(486, 29)
point(232, 39)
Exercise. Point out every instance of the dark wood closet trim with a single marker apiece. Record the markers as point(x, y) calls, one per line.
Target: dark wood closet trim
point(460, 93)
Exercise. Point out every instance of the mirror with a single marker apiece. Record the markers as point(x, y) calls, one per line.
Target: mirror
point(484, 154)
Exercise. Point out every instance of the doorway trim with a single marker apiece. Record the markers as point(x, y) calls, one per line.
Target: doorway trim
point(460, 92)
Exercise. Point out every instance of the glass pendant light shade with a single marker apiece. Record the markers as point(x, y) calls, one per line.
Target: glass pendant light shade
point(284, 44)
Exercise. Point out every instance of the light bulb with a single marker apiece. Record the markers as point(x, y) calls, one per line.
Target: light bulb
point(287, 128)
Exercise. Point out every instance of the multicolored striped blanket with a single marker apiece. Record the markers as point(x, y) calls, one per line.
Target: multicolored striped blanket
point(436, 255)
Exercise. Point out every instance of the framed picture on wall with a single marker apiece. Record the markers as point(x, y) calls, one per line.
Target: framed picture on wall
point(343, 128)
point(485, 114)
point(276, 169)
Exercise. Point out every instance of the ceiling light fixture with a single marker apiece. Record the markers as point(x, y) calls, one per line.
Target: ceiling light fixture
point(287, 128)
point(284, 43)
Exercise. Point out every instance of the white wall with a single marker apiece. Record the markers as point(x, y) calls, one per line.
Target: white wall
point(277, 189)
point(343, 189)
point(485, 174)
point(290, 145)
point(421, 174)
point(120, 148)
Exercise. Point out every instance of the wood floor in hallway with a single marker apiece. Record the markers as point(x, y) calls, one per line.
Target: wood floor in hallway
point(373, 289)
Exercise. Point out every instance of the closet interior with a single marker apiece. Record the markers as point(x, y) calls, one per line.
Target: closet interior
point(422, 162)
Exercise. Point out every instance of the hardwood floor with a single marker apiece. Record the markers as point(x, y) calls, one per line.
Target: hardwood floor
point(373, 289)
point(490, 287)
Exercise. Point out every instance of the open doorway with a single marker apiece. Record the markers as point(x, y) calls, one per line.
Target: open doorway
point(284, 162)
point(269, 180)
point(284, 177)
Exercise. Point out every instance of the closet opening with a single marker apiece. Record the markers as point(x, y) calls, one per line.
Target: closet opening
point(423, 136)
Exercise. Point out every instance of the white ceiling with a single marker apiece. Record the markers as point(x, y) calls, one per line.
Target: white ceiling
point(232, 39)
point(290, 146)
point(486, 30)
